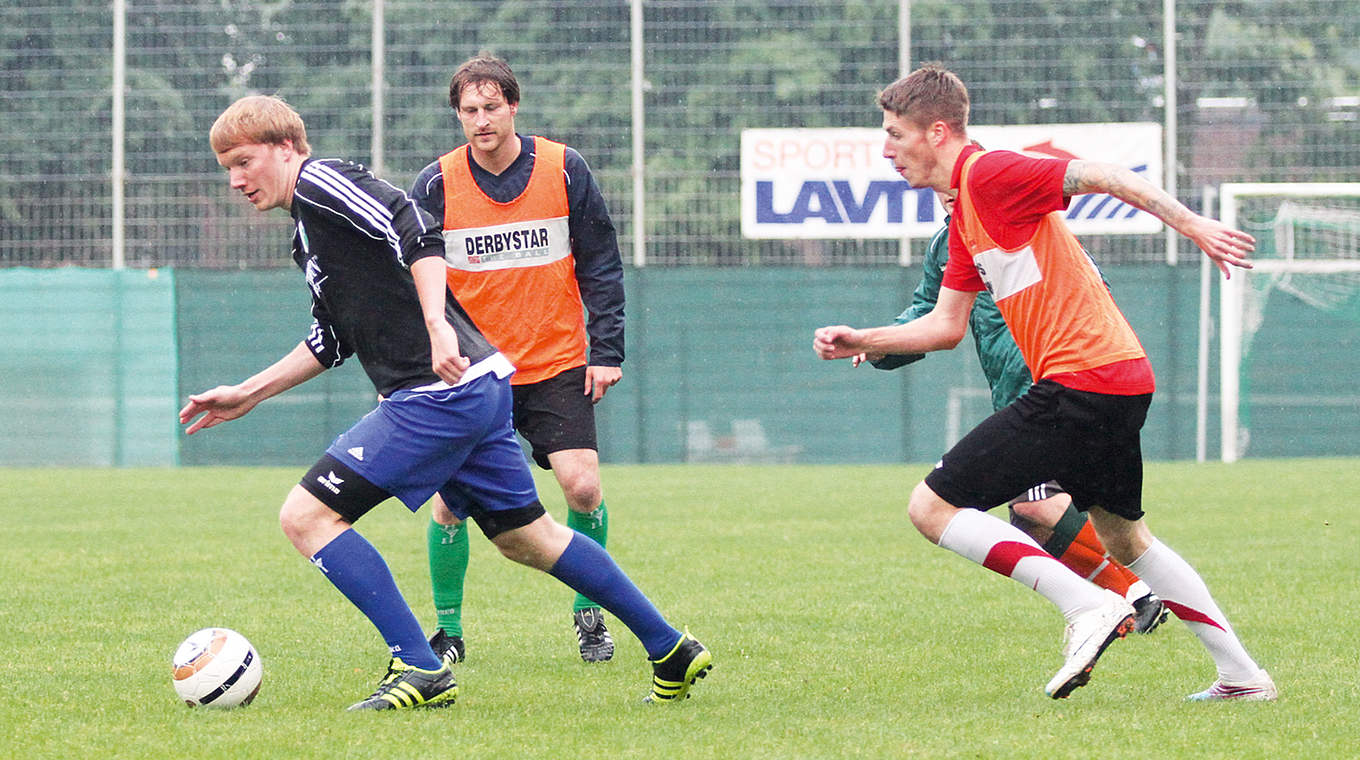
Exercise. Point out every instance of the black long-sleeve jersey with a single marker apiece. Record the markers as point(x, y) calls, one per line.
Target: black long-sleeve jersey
point(594, 243)
point(355, 239)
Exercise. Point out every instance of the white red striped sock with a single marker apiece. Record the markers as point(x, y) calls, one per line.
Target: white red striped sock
point(1184, 592)
point(1002, 548)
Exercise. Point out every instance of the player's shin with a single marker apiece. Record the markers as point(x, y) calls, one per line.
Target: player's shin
point(354, 567)
point(1009, 551)
point(588, 569)
point(448, 553)
point(1185, 593)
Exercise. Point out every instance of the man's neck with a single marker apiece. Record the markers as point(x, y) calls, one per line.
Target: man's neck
point(296, 170)
point(943, 179)
point(500, 159)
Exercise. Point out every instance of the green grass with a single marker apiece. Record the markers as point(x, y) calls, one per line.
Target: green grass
point(837, 631)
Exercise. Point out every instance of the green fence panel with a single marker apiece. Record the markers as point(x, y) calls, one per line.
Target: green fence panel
point(720, 369)
point(1299, 394)
point(234, 324)
point(711, 350)
point(89, 367)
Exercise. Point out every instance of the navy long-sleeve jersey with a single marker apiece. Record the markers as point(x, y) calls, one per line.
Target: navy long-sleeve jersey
point(355, 238)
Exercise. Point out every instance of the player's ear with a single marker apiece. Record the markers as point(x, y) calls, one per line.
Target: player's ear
point(938, 132)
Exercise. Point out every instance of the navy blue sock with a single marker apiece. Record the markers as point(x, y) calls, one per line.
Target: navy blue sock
point(352, 565)
point(588, 569)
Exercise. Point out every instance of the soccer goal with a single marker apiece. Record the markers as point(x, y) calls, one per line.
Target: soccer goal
point(1307, 264)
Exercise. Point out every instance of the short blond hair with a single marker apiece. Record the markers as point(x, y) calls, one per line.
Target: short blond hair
point(259, 119)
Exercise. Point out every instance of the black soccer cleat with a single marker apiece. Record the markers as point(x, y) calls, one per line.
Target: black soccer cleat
point(676, 672)
point(1148, 613)
point(592, 637)
point(405, 687)
point(448, 648)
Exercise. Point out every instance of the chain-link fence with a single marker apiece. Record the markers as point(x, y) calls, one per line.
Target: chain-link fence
point(1265, 91)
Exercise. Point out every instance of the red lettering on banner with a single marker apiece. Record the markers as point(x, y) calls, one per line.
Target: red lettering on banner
point(763, 155)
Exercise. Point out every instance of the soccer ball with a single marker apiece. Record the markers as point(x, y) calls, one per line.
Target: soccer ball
point(217, 667)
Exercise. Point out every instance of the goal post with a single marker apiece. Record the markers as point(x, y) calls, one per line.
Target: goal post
point(1308, 244)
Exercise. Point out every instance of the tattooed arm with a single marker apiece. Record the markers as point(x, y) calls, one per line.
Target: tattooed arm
point(1222, 244)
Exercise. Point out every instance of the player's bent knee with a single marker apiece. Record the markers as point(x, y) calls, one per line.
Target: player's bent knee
point(308, 523)
point(1045, 512)
point(537, 544)
point(584, 496)
point(440, 513)
point(928, 513)
point(581, 488)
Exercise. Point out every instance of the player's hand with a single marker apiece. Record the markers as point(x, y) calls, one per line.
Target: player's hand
point(599, 380)
point(225, 402)
point(445, 359)
point(1222, 244)
point(835, 342)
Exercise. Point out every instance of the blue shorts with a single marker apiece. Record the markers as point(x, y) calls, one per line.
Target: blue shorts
point(456, 441)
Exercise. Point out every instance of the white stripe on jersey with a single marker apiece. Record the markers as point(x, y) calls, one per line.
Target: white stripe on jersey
point(361, 203)
point(1006, 273)
point(362, 228)
point(328, 175)
point(364, 205)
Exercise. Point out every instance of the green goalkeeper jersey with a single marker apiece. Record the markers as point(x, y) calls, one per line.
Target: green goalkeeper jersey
point(1000, 358)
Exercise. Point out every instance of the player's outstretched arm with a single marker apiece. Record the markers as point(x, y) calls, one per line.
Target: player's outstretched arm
point(1222, 244)
point(228, 402)
point(941, 329)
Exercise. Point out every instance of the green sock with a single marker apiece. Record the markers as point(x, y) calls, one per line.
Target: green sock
point(595, 526)
point(448, 566)
point(1065, 532)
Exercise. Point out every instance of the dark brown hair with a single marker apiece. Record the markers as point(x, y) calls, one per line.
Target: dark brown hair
point(929, 94)
point(484, 69)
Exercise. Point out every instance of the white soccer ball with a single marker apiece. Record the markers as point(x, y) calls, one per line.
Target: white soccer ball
point(217, 667)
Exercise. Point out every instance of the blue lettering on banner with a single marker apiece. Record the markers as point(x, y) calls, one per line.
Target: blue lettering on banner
point(1091, 206)
point(834, 202)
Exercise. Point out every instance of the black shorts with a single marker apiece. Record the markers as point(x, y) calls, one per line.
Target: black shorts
point(1038, 493)
point(556, 415)
point(1089, 442)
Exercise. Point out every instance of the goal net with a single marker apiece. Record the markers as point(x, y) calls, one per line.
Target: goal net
point(1288, 327)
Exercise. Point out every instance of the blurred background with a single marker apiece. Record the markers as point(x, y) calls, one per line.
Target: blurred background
point(132, 276)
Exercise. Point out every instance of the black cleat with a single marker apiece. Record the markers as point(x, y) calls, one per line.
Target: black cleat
point(675, 673)
point(591, 636)
point(405, 687)
point(448, 648)
point(1148, 613)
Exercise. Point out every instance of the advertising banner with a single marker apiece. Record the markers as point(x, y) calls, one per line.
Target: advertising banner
point(835, 183)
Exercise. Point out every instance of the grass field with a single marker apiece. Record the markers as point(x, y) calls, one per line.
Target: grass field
point(837, 631)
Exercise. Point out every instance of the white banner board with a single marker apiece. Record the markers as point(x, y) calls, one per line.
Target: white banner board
point(835, 183)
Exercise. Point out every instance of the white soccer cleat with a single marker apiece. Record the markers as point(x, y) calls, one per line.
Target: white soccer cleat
point(1086, 639)
point(1259, 689)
